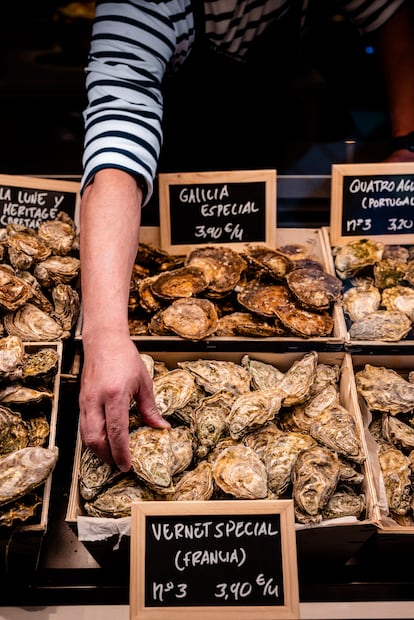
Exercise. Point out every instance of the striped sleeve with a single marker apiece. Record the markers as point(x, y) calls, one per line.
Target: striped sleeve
point(133, 44)
point(368, 15)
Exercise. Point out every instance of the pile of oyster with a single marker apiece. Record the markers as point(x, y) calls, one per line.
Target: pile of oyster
point(39, 269)
point(216, 291)
point(389, 397)
point(243, 430)
point(378, 299)
point(26, 396)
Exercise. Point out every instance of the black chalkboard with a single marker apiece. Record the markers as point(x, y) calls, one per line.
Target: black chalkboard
point(214, 560)
point(217, 208)
point(377, 202)
point(28, 201)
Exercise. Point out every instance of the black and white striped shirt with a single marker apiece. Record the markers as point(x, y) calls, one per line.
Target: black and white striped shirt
point(135, 42)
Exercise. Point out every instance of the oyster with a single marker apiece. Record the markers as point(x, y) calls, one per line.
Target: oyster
point(260, 438)
point(193, 319)
point(57, 270)
point(115, 501)
point(14, 432)
point(263, 299)
point(263, 375)
point(350, 473)
point(66, 305)
point(94, 474)
point(280, 456)
point(210, 421)
point(315, 475)
point(222, 268)
point(301, 321)
point(396, 252)
point(154, 259)
point(181, 441)
point(11, 358)
point(398, 433)
point(344, 502)
point(32, 324)
point(386, 325)
point(248, 325)
point(152, 457)
point(39, 429)
point(271, 262)
point(249, 411)
point(217, 375)
point(302, 416)
point(17, 394)
point(25, 248)
point(336, 428)
point(360, 300)
point(177, 283)
point(147, 299)
point(385, 390)
point(21, 510)
point(173, 390)
point(388, 272)
point(24, 470)
point(14, 291)
point(38, 297)
point(297, 381)
point(59, 234)
point(400, 298)
point(239, 472)
point(195, 485)
point(351, 258)
point(40, 365)
point(395, 469)
point(325, 374)
point(313, 288)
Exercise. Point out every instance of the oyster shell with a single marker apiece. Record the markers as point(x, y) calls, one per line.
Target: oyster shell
point(59, 234)
point(57, 270)
point(400, 298)
point(248, 325)
point(395, 469)
point(147, 299)
point(177, 283)
point(32, 324)
point(191, 318)
point(25, 248)
point(195, 485)
point(239, 472)
point(251, 410)
point(336, 428)
point(94, 474)
point(263, 299)
point(301, 321)
point(40, 365)
point(66, 302)
point(38, 297)
point(217, 375)
point(222, 268)
point(181, 441)
point(303, 415)
point(314, 288)
point(263, 375)
point(152, 457)
point(14, 291)
point(210, 421)
point(39, 429)
point(173, 390)
point(315, 475)
point(296, 384)
point(14, 432)
point(21, 510)
point(271, 262)
point(361, 300)
point(17, 394)
point(260, 438)
point(398, 433)
point(351, 258)
point(385, 390)
point(24, 470)
point(344, 502)
point(386, 325)
point(11, 358)
point(388, 272)
point(115, 501)
point(280, 456)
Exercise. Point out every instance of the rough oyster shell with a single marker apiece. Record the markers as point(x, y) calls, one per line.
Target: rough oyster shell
point(152, 457)
point(303, 415)
point(210, 421)
point(238, 471)
point(25, 249)
point(14, 291)
point(40, 365)
point(177, 283)
point(360, 300)
point(395, 469)
point(217, 375)
point(115, 501)
point(386, 325)
point(385, 390)
point(251, 410)
point(344, 502)
point(181, 441)
point(388, 272)
point(147, 299)
point(260, 438)
point(351, 258)
point(263, 375)
point(272, 262)
point(195, 485)
point(24, 470)
point(248, 325)
point(59, 234)
point(296, 384)
point(173, 390)
point(315, 475)
point(222, 268)
point(11, 358)
point(17, 394)
point(280, 456)
point(263, 299)
point(32, 324)
point(94, 474)
point(21, 510)
point(190, 318)
point(398, 433)
point(314, 288)
point(14, 432)
point(301, 321)
point(336, 428)
point(39, 429)
point(400, 298)
point(57, 270)
point(66, 302)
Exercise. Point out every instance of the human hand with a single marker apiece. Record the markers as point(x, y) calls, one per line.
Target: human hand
point(113, 374)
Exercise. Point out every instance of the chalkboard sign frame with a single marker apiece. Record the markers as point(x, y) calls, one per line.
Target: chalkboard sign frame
point(338, 215)
point(223, 180)
point(42, 186)
point(203, 510)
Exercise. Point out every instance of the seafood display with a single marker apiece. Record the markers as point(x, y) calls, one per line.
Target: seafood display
point(234, 435)
point(39, 271)
point(257, 292)
point(388, 396)
point(27, 454)
point(378, 294)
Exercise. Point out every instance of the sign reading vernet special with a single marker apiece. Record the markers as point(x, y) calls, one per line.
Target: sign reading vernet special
point(372, 200)
point(225, 208)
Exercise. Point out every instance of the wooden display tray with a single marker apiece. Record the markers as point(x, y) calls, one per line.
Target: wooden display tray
point(345, 536)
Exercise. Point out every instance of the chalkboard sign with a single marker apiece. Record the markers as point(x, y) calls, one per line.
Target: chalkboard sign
point(372, 200)
point(29, 201)
point(224, 208)
point(233, 559)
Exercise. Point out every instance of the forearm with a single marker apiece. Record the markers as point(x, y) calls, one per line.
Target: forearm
point(109, 225)
point(396, 50)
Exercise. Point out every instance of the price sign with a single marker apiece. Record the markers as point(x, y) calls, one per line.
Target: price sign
point(29, 201)
point(225, 208)
point(233, 559)
point(372, 200)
